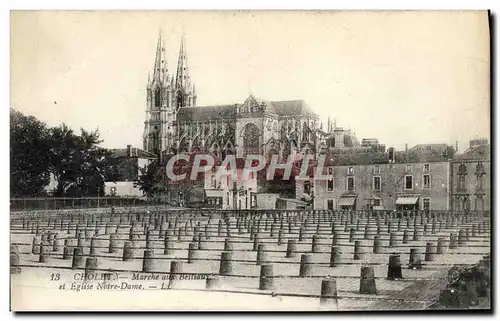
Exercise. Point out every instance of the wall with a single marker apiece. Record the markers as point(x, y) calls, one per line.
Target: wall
point(267, 200)
point(122, 189)
point(392, 185)
point(471, 185)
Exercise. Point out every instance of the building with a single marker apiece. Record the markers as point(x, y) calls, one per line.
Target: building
point(471, 178)
point(130, 162)
point(226, 193)
point(175, 124)
point(414, 179)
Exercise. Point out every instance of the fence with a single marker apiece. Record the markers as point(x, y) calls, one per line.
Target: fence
point(58, 203)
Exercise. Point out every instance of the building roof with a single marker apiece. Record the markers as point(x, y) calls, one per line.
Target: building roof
point(479, 152)
point(281, 108)
point(136, 152)
point(292, 107)
point(207, 112)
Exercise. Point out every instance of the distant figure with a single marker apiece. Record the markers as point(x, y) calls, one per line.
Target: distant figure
point(112, 210)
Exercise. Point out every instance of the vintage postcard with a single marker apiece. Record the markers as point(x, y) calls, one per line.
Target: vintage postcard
point(250, 160)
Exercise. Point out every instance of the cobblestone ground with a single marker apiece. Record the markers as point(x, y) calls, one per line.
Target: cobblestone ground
point(418, 289)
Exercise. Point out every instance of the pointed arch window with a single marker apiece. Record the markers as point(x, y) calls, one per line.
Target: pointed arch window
point(158, 97)
point(251, 139)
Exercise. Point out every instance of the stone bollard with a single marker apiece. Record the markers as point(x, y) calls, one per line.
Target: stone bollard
point(179, 234)
point(461, 237)
point(128, 251)
point(148, 261)
point(328, 296)
point(113, 243)
point(305, 268)
point(415, 262)
point(266, 281)
point(261, 254)
point(56, 243)
point(91, 266)
point(192, 252)
point(453, 241)
point(175, 271)
point(226, 265)
point(430, 250)
point(335, 256)
point(67, 250)
point(93, 246)
point(44, 252)
point(367, 234)
point(473, 230)
point(291, 249)
point(393, 239)
point(367, 283)
point(441, 246)
point(78, 258)
point(417, 234)
point(14, 263)
point(335, 239)
point(377, 245)
point(301, 233)
point(212, 282)
point(280, 237)
point(35, 249)
point(352, 234)
point(394, 268)
point(358, 255)
point(228, 246)
point(168, 246)
point(201, 241)
point(315, 247)
point(405, 237)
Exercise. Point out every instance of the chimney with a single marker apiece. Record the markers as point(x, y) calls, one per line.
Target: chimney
point(129, 150)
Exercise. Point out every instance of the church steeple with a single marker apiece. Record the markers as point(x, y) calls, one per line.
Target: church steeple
point(160, 69)
point(182, 78)
point(184, 91)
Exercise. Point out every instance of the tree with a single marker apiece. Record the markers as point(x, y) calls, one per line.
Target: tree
point(152, 180)
point(29, 155)
point(79, 166)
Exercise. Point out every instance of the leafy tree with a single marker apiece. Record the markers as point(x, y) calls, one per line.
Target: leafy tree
point(80, 167)
point(29, 155)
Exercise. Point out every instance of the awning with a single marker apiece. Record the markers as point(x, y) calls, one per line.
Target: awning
point(346, 201)
point(213, 193)
point(378, 208)
point(406, 200)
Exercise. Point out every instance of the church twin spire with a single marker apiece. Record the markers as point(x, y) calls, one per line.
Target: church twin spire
point(181, 81)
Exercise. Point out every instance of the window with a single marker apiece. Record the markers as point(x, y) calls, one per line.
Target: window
point(350, 183)
point(330, 204)
point(330, 185)
point(307, 187)
point(253, 200)
point(376, 183)
point(376, 169)
point(427, 204)
point(227, 181)
point(408, 182)
point(350, 170)
point(408, 169)
point(427, 181)
point(427, 168)
point(376, 202)
point(227, 202)
point(330, 170)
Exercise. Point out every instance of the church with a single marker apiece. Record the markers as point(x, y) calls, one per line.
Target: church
point(176, 124)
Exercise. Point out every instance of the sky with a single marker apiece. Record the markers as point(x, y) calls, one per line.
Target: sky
point(402, 77)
